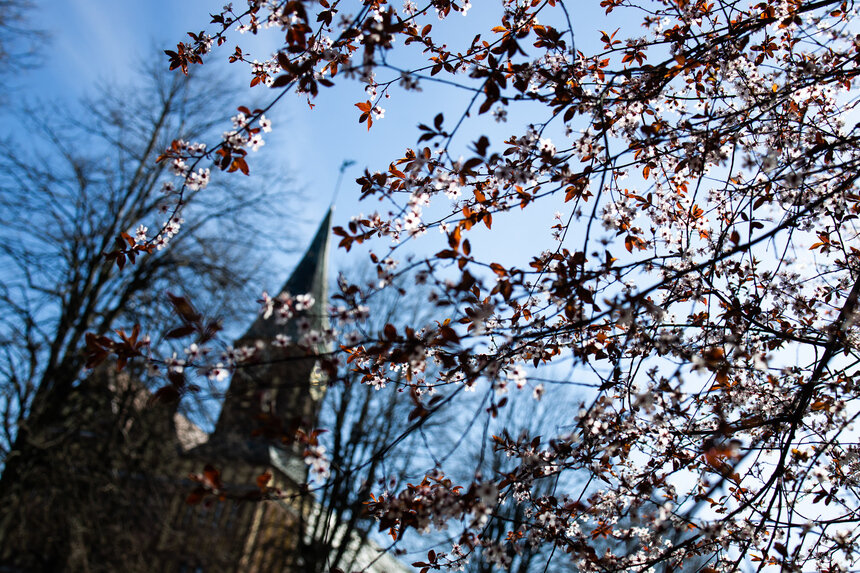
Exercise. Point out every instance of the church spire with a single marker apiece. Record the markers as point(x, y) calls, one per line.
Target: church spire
point(309, 277)
point(281, 384)
point(311, 274)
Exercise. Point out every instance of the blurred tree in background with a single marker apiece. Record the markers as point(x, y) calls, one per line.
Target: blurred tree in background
point(82, 178)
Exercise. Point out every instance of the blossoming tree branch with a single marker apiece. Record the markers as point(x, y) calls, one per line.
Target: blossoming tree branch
point(701, 276)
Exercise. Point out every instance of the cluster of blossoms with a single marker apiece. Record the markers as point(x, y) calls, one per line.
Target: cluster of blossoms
point(233, 356)
point(195, 356)
point(320, 465)
point(182, 150)
point(359, 313)
point(244, 134)
point(168, 231)
point(739, 166)
point(433, 502)
point(284, 306)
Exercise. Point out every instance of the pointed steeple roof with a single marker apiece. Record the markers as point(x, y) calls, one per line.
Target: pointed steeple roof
point(311, 274)
point(309, 277)
point(281, 384)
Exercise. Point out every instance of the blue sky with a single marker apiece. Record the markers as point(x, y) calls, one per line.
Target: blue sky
point(94, 42)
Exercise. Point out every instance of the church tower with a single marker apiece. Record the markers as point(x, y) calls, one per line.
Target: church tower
point(271, 395)
point(282, 383)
